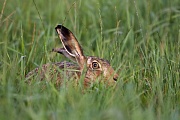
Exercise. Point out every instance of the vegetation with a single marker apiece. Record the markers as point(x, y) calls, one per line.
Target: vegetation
point(141, 38)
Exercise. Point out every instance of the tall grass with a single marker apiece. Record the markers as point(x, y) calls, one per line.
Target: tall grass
point(141, 38)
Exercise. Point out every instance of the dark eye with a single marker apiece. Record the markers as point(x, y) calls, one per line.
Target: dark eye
point(95, 65)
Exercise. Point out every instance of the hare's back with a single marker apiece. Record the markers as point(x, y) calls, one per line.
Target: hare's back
point(55, 71)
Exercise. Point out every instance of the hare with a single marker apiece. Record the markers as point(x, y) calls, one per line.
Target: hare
point(94, 68)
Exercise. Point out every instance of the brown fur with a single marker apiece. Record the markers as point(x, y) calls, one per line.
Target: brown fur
point(94, 68)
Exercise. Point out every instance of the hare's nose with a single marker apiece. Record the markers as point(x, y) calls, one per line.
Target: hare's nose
point(115, 77)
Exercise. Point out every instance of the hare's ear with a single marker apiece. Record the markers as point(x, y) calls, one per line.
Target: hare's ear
point(71, 44)
point(64, 52)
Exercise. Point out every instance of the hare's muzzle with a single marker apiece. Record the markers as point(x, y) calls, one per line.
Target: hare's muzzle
point(115, 77)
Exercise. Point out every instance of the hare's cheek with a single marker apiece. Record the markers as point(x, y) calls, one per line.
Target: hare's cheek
point(94, 74)
point(106, 72)
point(98, 73)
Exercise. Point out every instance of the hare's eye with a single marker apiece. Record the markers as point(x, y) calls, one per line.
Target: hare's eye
point(95, 65)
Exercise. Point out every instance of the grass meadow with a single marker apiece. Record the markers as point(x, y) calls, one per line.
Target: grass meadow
point(141, 38)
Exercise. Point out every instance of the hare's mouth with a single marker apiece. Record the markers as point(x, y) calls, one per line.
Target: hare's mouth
point(115, 79)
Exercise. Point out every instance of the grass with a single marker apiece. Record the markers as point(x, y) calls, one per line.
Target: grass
point(141, 38)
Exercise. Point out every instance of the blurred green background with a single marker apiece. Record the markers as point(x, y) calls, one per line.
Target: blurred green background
point(139, 37)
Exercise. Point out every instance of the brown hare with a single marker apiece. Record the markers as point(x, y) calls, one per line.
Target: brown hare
point(93, 68)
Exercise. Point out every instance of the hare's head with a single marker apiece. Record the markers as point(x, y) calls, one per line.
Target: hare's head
point(93, 67)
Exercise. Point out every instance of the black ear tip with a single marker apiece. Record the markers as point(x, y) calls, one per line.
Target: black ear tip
point(59, 26)
point(62, 29)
